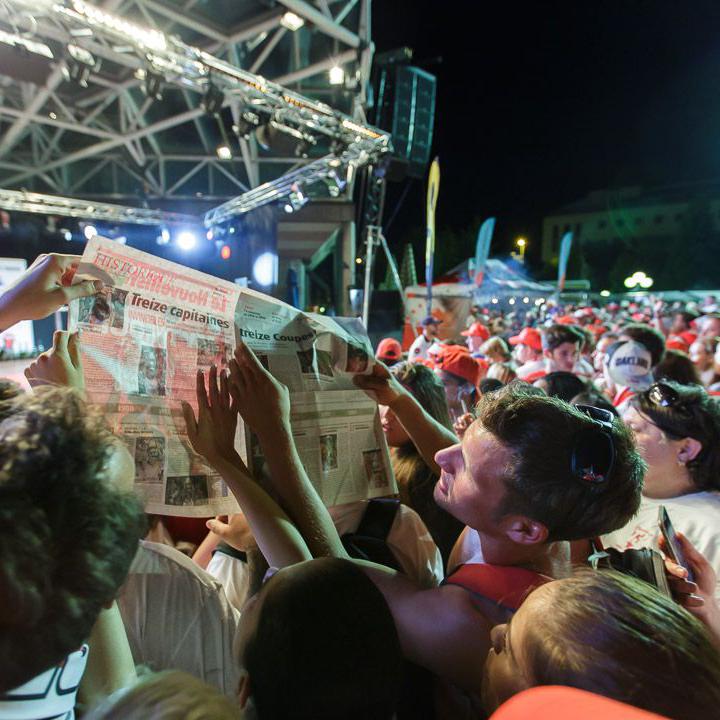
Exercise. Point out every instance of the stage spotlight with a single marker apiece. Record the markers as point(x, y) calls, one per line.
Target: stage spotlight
point(213, 100)
point(295, 200)
point(186, 240)
point(78, 66)
point(224, 152)
point(225, 252)
point(336, 75)
point(265, 269)
point(335, 184)
point(210, 234)
point(90, 231)
point(291, 21)
point(164, 237)
point(247, 122)
point(66, 234)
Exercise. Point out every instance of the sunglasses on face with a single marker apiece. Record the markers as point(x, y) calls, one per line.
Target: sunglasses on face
point(593, 456)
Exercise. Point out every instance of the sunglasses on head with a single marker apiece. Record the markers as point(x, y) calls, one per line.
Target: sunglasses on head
point(593, 456)
point(662, 395)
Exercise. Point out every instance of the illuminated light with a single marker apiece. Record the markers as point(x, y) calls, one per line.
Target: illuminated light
point(605, 293)
point(539, 302)
point(629, 282)
point(336, 75)
point(210, 234)
point(321, 309)
point(646, 282)
point(67, 235)
point(225, 252)
point(164, 237)
point(121, 239)
point(511, 301)
point(291, 21)
point(231, 230)
point(495, 301)
point(186, 240)
point(224, 152)
point(90, 231)
point(526, 300)
point(358, 260)
point(265, 269)
point(521, 242)
point(288, 208)
point(52, 116)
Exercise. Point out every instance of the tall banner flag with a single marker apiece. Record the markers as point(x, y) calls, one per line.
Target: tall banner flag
point(565, 245)
point(482, 249)
point(432, 196)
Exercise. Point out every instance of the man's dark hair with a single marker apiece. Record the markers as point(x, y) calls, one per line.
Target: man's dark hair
point(325, 646)
point(647, 336)
point(563, 385)
point(67, 536)
point(557, 335)
point(543, 433)
point(695, 414)
point(677, 366)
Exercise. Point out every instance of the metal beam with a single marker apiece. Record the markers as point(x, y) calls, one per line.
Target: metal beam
point(42, 120)
point(269, 47)
point(322, 23)
point(99, 148)
point(316, 69)
point(185, 20)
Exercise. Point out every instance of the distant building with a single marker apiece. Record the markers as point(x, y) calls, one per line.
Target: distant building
point(627, 214)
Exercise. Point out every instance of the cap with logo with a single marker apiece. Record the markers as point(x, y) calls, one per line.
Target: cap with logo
point(456, 360)
point(528, 336)
point(388, 349)
point(430, 320)
point(629, 364)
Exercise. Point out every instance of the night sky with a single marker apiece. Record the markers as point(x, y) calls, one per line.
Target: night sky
point(541, 102)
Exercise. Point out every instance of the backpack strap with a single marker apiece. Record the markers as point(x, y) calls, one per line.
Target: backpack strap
point(369, 541)
point(507, 586)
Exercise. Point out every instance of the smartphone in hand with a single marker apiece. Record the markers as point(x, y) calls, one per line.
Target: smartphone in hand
point(672, 546)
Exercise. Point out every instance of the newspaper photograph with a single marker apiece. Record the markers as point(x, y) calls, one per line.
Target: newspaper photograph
point(155, 323)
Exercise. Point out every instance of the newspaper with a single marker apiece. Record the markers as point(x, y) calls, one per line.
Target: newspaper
point(156, 322)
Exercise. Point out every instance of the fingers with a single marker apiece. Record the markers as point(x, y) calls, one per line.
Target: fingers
point(237, 379)
point(190, 422)
point(213, 386)
point(202, 398)
point(217, 526)
point(247, 360)
point(72, 292)
point(74, 350)
point(225, 391)
point(380, 370)
point(60, 341)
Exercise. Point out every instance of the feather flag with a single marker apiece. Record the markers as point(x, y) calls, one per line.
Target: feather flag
point(482, 249)
point(432, 196)
point(565, 245)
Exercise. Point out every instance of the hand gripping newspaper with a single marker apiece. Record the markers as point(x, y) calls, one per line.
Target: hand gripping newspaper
point(145, 335)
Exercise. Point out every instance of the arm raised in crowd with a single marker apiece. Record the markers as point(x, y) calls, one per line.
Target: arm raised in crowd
point(264, 404)
point(43, 288)
point(212, 435)
point(427, 434)
point(439, 628)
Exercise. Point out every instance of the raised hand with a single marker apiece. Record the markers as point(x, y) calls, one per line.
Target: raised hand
point(212, 434)
point(262, 401)
point(461, 425)
point(61, 365)
point(43, 288)
point(381, 385)
point(235, 532)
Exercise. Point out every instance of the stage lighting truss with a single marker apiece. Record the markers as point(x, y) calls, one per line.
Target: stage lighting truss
point(18, 201)
point(166, 59)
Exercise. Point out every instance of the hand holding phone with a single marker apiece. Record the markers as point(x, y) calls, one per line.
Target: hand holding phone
point(672, 546)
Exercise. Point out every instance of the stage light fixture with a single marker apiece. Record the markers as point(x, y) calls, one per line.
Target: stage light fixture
point(336, 75)
point(89, 231)
point(224, 152)
point(66, 234)
point(296, 199)
point(78, 66)
point(291, 21)
point(335, 183)
point(186, 240)
point(152, 83)
point(511, 301)
point(213, 100)
point(265, 269)
point(604, 293)
point(164, 237)
point(225, 252)
point(210, 234)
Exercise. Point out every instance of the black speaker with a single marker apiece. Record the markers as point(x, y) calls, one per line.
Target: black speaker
point(406, 108)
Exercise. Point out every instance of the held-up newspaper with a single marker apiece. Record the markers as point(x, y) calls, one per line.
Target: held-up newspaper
point(156, 323)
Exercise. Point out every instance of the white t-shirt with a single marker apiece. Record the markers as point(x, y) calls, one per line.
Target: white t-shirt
point(530, 368)
point(177, 617)
point(419, 349)
point(51, 695)
point(697, 516)
point(408, 539)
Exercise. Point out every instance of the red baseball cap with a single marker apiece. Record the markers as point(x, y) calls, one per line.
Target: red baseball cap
point(456, 360)
point(388, 349)
point(567, 703)
point(477, 329)
point(528, 336)
point(674, 342)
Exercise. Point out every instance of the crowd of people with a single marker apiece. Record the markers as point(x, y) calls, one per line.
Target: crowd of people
point(517, 573)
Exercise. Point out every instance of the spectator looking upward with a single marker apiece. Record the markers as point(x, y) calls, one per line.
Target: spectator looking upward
point(429, 335)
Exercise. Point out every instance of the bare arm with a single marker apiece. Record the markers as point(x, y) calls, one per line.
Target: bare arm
point(110, 663)
point(211, 436)
point(43, 288)
point(428, 435)
point(264, 404)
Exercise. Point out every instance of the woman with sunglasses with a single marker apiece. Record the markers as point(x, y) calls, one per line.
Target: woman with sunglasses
point(677, 430)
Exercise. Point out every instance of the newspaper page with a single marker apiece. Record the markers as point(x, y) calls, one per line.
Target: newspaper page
point(155, 323)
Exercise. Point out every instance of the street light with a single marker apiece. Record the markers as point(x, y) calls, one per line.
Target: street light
point(521, 244)
point(638, 278)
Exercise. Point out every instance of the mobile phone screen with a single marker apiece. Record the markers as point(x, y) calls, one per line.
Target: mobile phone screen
point(672, 546)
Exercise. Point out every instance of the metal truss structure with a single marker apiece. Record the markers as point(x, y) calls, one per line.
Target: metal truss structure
point(131, 101)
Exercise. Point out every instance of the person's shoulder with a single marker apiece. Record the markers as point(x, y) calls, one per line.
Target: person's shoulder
point(152, 556)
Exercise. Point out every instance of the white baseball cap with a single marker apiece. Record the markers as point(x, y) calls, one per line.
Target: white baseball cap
point(629, 364)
